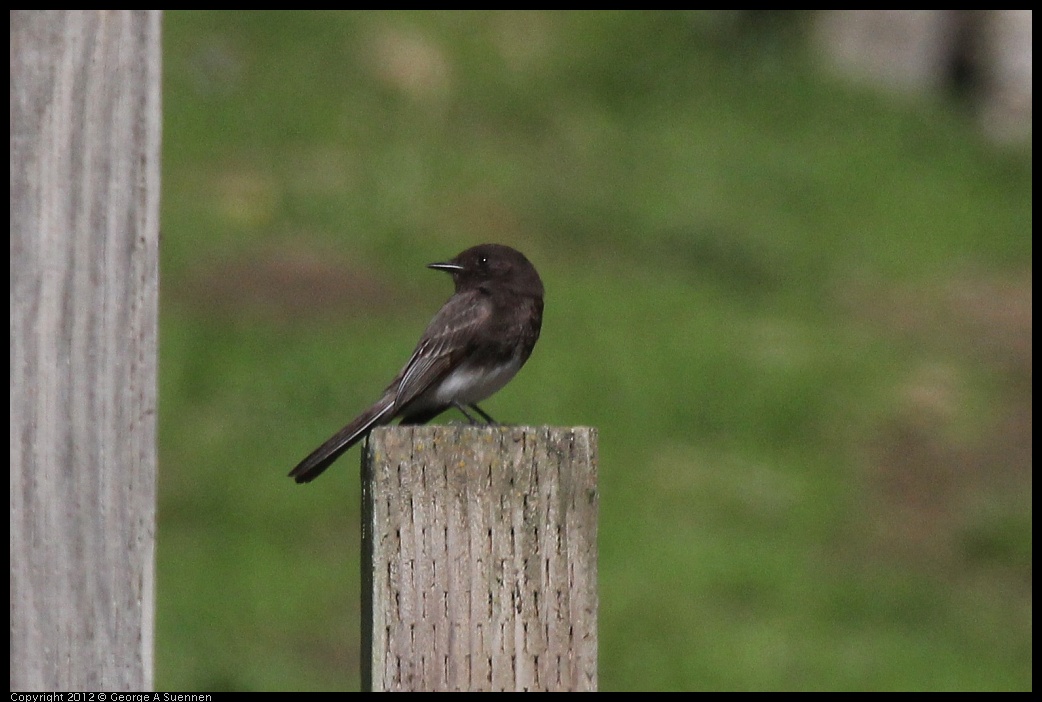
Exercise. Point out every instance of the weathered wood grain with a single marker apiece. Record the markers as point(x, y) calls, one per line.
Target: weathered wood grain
point(480, 558)
point(85, 132)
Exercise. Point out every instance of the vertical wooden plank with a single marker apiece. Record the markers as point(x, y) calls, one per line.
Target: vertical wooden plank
point(85, 133)
point(483, 570)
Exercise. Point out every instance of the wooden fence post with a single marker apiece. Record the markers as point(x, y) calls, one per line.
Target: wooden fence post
point(479, 558)
point(85, 126)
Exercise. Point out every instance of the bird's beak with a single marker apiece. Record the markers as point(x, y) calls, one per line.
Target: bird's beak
point(449, 267)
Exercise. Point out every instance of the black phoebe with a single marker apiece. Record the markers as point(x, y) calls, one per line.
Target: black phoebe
point(475, 344)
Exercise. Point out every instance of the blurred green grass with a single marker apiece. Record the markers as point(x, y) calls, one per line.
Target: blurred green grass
point(798, 313)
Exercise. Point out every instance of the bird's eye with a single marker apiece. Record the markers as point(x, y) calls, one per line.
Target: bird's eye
point(484, 261)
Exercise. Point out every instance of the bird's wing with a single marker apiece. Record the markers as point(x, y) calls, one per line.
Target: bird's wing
point(443, 344)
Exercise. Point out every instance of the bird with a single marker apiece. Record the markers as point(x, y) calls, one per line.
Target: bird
point(473, 346)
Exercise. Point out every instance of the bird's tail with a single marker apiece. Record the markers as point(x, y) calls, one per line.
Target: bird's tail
point(322, 457)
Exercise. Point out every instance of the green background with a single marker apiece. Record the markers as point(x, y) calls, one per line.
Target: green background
point(798, 312)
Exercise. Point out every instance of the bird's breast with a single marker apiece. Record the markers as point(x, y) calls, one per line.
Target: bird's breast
point(472, 382)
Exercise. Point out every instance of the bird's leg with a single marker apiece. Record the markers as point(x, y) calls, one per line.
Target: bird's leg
point(465, 413)
point(483, 413)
